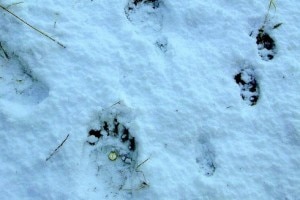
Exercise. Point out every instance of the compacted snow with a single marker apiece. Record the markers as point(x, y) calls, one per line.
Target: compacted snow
point(150, 99)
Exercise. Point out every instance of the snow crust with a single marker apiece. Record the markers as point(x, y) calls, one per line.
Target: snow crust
point(167, 73)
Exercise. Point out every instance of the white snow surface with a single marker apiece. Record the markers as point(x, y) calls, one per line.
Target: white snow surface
point(168, 75)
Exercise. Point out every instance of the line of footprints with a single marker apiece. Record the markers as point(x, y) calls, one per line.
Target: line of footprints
point(246, 78)
point(113, 141)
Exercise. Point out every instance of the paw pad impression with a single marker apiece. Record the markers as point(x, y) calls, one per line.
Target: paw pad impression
point(266, 45)
point(116, 137)
point(246, 79)
point(144, 13)
point(206, 159)
point(18, 83)
point(113, 149)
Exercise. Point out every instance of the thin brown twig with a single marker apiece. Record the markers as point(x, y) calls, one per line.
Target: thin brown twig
point(39, 31)
point(57, 148)
point(119, 102)
point(142, 163)
point(271, 3)
point(6, 55)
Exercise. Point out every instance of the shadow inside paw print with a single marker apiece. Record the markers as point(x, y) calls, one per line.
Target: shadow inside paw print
point(249, 87)
point(266, 45)
point(162, 44)
point(206, 159)
point(18, 83)
point(144, 13)
point(153, 3)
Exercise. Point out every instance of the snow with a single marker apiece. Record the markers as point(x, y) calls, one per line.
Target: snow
point(166, 73)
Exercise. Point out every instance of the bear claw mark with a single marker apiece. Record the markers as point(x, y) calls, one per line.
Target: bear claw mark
point(96, 134)
point(131, 144)
point(125, 135)
point(116, 127)
point(112, 130)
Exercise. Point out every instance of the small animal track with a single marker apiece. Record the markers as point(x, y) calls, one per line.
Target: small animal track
point(113, 150)
point(246, 79)
point(18, 83)
point(266, 44)
point(162, 44)
point(205, 159)
point(145, 13)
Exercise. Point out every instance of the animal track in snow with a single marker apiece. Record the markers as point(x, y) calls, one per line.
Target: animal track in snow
point(18, 83)
point(265, 44)
point(117, 138)
point(246, 79)
point(162, 44)
point(206, 158)
point(145, 13)
point(114, 151)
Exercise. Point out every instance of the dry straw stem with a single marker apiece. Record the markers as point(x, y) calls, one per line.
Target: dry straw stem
point(39, 31)
point(142, 184)
point(271, 4)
